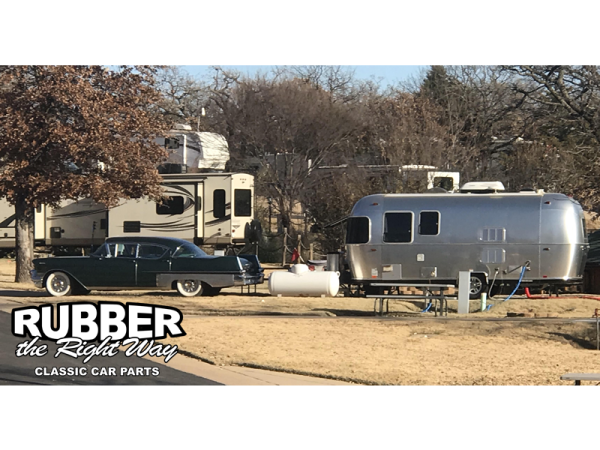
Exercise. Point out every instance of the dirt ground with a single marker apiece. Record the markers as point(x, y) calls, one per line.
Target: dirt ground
point(340, 337)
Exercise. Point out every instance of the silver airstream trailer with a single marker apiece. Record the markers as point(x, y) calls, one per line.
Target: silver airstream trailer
point(429, 238)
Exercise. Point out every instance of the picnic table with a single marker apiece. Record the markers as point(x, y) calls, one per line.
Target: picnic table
point(579, 377)
point(431, 292)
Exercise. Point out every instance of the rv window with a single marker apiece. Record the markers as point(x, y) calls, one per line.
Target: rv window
point(172, 143)
point(170, 206)
point(357, 231)
point(446, 183)
point(429, 223)
point(219, 203)
point(132, 227)
point(243, 205)
point(398, 227)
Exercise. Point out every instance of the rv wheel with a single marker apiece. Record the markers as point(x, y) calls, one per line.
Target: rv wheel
point(189, 288)
point(478, 285)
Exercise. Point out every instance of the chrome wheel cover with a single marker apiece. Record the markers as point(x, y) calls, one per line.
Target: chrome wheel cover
point(476, 285)
point(190, 286)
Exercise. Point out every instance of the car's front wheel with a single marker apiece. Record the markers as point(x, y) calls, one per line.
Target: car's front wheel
point(58, 284)
point(189, 288)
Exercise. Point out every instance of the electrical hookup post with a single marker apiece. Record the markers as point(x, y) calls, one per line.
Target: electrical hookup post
point(88, 343)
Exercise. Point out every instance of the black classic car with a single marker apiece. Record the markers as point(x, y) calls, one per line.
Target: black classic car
point(146, 263)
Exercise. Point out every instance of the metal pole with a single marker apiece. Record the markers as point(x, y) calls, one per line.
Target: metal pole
point(597, 330)
point(270, 201)
point(284, 246)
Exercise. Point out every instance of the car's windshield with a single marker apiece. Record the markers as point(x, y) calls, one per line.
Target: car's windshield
point(188, 251)
point(102, 251)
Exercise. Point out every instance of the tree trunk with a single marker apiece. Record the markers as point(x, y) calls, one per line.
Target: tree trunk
point(24, 242)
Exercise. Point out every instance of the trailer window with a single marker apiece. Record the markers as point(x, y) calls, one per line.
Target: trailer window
point(357, 231)
point(170, 206)
point(398, 227)
point(243, 203)
point(429, 223)
point(172, 143)
point(446, 183)
point(219, 203)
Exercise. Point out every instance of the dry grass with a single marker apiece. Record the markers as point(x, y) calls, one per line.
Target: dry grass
point(403, 352)
point(416, 349)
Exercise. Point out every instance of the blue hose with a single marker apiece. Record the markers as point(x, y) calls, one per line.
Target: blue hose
point(518, 284)
point(428, 308)
point(516, 287)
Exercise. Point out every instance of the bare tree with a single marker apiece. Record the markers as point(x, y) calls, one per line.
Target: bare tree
point(184, 97)
point(563, 104)
point(285, 125)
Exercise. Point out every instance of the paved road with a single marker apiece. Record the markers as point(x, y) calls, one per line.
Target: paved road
point(21, 371)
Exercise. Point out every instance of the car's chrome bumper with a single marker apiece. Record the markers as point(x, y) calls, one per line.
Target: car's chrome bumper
point(37, 279)
point(244, 280)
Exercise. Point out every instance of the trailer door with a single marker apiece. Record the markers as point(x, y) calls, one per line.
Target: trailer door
point(217, 210)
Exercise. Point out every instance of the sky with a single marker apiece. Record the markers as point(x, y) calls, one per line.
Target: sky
point(389, 74)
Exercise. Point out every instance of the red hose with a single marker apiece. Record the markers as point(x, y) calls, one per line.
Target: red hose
point(535, 297)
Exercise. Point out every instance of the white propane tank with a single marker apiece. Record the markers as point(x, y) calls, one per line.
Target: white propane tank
point(299, 268)
point(305, 284)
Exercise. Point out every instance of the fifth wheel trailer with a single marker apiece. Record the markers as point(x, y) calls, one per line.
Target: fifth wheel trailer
point(211, 209)
point(429, 238)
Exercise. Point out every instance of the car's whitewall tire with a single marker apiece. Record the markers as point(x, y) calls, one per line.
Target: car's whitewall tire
point(58, 284)
point(189, 288)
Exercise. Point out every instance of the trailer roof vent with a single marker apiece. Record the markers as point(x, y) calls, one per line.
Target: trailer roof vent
point(482, 187)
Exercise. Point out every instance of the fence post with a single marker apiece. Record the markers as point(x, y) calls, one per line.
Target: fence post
point(284, 246)
point(311, 251)
point(299, 249)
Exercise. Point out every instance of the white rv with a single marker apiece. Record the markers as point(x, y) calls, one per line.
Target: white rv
point(207, 209)
point(195, 149)
point(211, 209)
point(7, 226)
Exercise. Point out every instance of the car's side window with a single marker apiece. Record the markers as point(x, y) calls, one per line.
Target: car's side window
point(126, 250)
point(149, 251)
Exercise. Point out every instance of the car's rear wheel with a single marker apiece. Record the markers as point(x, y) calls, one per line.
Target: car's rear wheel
point(189, 288)
point(58, 284)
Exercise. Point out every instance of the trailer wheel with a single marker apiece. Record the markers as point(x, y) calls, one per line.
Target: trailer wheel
point(58, 284)
point(189, 288)
point(478, 285)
